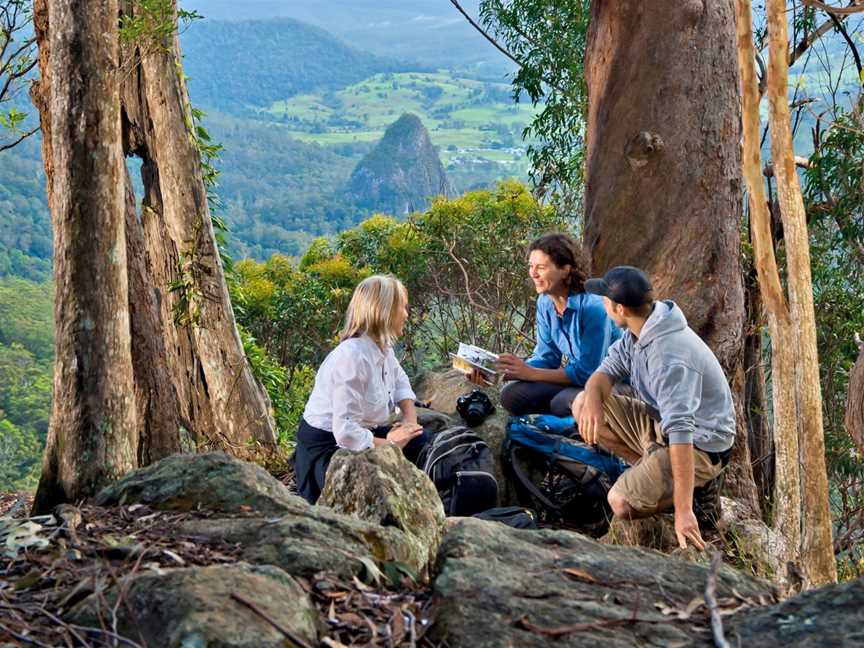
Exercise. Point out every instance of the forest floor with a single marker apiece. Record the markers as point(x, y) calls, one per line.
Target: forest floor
point(53, 562)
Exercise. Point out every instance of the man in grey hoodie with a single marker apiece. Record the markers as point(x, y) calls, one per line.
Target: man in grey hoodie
point(678, 433)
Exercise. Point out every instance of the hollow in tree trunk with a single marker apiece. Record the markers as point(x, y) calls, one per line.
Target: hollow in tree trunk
point(161, 367)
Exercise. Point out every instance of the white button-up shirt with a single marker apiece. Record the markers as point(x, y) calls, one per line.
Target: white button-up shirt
point(356, 388)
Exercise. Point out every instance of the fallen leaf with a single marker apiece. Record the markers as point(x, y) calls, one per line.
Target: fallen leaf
point(578, 574)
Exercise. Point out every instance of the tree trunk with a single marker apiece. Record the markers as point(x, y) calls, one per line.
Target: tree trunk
point(663, 163)
point(759, 436)
point(855, 402)
point(787, 498)
point(817, 553)
point(221, 404)
point(173, 376)
point(93, 433)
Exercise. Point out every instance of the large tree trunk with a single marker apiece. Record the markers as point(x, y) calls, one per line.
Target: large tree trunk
point(93, 433)
point(220, 403)
point(663, 189)
point(173, 376)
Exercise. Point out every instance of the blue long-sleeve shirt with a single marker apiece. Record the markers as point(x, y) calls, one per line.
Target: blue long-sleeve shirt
point(577, 340)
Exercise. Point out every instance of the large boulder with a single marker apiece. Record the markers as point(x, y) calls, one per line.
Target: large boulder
point(440, 389)
point(311, 540)
point(203, 606)
point(830, 616)
point(381, 486)
point(213, 481)
point(498, 586)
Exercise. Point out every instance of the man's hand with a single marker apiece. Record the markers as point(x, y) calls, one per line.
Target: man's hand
point(591, 417)
point(687, 529)
point(513, 367)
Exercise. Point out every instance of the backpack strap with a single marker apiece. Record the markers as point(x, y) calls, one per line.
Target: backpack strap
point(527, 484)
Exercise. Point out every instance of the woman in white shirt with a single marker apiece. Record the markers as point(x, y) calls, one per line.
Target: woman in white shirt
point(358, 387)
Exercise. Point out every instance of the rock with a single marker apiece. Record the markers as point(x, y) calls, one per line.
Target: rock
point(441, 389)
point(213, 481)
point(194, 607)
point(490, 576)
point(312, 539)
point(830, 616)
point(381, 486)
point(755, 543)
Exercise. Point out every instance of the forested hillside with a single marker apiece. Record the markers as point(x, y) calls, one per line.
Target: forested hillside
point(295, 109)
point(240, 65)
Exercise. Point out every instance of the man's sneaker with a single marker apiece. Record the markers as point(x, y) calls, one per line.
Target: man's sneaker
point(706, 502)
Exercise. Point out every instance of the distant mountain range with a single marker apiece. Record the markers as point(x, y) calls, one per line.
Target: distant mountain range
point(427, 32)
point(238, 65)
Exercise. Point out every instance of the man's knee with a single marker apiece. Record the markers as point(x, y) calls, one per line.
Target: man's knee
point(620, 507)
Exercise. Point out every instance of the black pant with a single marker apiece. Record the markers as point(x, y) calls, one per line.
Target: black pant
point(316, 447)
point(521, 397)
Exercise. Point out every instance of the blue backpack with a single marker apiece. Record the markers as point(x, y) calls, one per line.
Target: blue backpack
point(559, 475)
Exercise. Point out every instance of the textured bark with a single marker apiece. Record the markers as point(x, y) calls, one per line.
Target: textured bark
point(759, 434)
point(855, 403)
point(817, 553)
point(92, 433)
point(787, 497)
point(206, 396)
point(131, 385)
point(663, 162)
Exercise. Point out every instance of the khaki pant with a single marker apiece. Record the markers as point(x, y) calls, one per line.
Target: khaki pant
point(649, 481)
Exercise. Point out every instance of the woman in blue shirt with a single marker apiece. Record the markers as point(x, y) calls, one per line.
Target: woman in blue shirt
point(573, 332)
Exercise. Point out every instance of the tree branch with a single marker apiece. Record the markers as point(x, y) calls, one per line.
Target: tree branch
point(853, 8)
point(4, 147)
point(500, 47)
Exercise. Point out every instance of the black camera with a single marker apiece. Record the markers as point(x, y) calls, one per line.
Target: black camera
point(474, 407)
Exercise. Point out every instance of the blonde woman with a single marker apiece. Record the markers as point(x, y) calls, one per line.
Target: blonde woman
point(358, 387)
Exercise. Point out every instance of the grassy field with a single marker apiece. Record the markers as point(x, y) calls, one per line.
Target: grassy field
point(472, 122)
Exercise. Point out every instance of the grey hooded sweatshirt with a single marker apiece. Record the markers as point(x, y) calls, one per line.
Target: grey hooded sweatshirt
point(675, 372)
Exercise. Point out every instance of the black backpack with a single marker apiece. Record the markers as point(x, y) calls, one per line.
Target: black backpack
point(460, 465)
point(559, 475)
point(513, 516)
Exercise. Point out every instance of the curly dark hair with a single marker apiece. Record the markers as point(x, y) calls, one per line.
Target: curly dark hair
point(564, 250)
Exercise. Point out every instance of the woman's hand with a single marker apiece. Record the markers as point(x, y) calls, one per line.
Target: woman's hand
point(402, 433)
point(513, 367)
point(476, 376)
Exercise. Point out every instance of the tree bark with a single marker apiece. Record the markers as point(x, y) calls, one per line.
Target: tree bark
point(787, 498)
point(216, 400)
point(93, 432)
point(855, 402)
point(759, 434)
point(663, 164)
point(133, 382)
point(817, 554)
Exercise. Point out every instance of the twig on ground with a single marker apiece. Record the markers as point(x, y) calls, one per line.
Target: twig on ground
point(711, 603)
point(285, 631)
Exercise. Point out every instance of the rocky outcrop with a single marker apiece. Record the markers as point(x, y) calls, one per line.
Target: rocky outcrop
point(498, 586)
point(831, 616)
point(212, 481)
point(402, 173)
point(382, 487)
point(204, 606)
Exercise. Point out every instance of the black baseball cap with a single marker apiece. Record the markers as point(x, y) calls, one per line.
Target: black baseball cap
point(624, 285)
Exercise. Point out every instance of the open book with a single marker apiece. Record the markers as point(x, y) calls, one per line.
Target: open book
point(470, 357)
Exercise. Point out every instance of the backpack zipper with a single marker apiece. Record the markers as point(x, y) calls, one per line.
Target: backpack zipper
point(459, 474)
point(430, 463)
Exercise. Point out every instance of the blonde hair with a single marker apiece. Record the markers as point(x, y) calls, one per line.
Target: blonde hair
point(373, 309)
